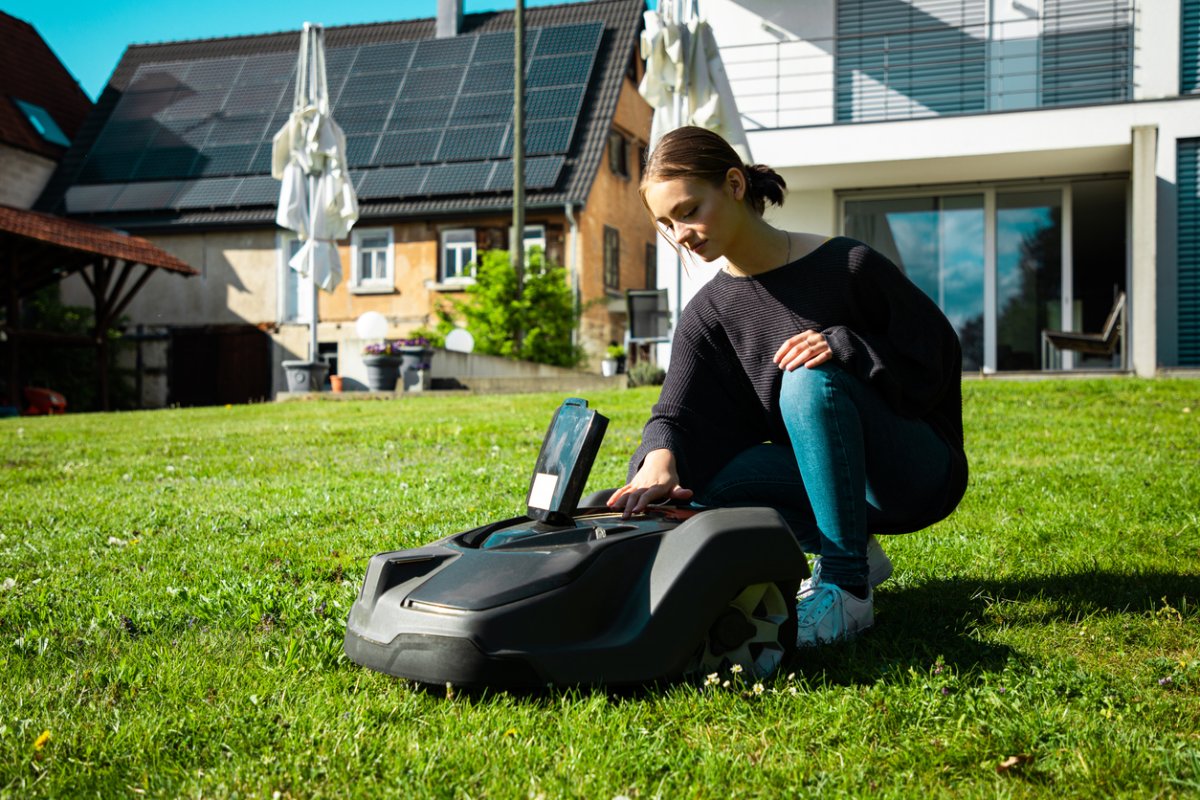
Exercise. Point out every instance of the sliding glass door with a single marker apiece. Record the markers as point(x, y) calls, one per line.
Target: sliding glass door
point(999, 262)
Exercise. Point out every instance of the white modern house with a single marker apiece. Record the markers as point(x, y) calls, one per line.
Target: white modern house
point(1025, 161)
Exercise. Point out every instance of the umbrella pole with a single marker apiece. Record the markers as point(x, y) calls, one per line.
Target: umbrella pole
point(311, 278)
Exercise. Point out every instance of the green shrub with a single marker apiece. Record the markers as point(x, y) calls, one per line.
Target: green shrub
point(646, 373)
point(535, 323)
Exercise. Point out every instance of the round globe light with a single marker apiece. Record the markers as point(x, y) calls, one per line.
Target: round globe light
point(371, 325)
point(460, 340)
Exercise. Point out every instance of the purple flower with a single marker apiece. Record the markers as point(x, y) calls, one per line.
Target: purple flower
point(945, 690)
point(1165, 681)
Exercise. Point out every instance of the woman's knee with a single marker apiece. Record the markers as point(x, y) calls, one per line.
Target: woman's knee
point(804, 388)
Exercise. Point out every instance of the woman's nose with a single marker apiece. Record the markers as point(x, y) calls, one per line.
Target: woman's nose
point(682, 232)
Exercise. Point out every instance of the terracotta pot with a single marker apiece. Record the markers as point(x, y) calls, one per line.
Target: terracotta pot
point(335, 381)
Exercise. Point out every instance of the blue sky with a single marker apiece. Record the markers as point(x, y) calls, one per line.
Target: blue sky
point(89, 36)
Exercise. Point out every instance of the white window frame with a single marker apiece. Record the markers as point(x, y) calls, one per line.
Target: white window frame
point(537, 240)
point(378, 285)
point(468, 266)
point(285, 273)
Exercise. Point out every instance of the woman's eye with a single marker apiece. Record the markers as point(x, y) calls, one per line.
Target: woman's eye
point(688, 213)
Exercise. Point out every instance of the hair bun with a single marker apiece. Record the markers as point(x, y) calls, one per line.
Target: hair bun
point(766, 185)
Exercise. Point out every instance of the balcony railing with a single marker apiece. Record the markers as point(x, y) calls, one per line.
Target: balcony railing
point(873, 71)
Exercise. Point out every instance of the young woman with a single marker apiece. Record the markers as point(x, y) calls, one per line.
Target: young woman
point(809, 375)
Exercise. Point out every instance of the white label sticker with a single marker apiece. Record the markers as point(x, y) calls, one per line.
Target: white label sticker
point(542, 493)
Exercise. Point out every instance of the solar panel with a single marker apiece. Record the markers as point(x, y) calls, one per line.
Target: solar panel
point(402, 103)
point(580, 38)
point(213, 74)
point(393, 182)
point(361, 119)
point(360, 150)
point(376, 88)
point(471, 144)
point(477, 109)
point(545, 137)
point(408, 147)
point(239, 130)
point(84, 199)
point(548, 103)
point(382, 58)
point(540, 173)
point(452, 51)
point(257, 191)
point(416, 114)
point(435, 82)
point(559, 70)
point(109, 167)
point(141, 196)
point(206, 193)
point(458, 178)
point(166, 162)
point(231, 159)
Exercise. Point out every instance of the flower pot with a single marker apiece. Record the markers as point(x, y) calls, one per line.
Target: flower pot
point(305, 376)
point(382, 372)
point(414, 367)
point(608, 367)
point(335, 383)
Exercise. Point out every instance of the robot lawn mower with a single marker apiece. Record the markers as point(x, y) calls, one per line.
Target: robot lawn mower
point(569, 595)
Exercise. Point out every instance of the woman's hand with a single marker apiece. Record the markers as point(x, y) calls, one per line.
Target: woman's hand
point(656, 480)
point(808, 349)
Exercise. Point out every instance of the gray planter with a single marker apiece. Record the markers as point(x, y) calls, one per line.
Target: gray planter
point(382, 372)
point(305, 376)
point(414, 367)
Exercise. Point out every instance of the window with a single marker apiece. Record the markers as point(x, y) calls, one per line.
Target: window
point(1189, 47)
point(43, 123)
point(617, 160)
point(458, 255)
point(612, 259)
point(535, 236)
point(371, 255)
point(651, 266)
point(291, 307)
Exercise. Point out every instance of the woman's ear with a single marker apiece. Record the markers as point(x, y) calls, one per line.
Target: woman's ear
point(735, 181)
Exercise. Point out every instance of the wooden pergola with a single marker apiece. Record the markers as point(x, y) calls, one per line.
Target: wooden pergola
point(38, 249)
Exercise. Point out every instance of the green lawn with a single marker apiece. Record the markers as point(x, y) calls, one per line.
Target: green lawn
point(174, 585)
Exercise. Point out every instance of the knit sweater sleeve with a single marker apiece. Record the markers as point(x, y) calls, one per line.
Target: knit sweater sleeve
point(903, 343)
point(696, 416)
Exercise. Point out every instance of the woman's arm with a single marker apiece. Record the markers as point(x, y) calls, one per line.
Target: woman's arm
point(656, 480)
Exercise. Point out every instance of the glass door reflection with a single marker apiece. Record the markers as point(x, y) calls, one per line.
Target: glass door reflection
point(1028, 275)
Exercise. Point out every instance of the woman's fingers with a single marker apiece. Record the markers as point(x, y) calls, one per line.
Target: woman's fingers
point(809, 349)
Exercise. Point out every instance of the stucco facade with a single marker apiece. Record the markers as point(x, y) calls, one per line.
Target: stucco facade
point(23, 175)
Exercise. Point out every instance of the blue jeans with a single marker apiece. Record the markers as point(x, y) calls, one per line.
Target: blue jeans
point(853, 466)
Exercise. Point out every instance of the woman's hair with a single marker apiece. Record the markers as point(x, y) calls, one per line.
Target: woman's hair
point(700, 154)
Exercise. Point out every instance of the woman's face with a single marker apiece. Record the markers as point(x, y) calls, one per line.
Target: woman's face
point(699, 216)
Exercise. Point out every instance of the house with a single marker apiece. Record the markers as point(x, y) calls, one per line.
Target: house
point(178, 151)
point(41, 110)
point(1024, 162)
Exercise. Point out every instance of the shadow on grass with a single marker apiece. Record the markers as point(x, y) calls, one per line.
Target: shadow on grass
point(942, 619)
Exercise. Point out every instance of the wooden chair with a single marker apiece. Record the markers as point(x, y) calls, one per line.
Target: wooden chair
point(1104, 343)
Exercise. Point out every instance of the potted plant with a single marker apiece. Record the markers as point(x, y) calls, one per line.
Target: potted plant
point(382, 361)
point(614, 355)
point(415, 358)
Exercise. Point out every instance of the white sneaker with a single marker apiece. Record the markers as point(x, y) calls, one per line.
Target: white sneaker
point(879, 568)
point(828, 614)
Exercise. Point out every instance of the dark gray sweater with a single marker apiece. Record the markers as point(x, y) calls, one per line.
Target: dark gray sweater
point(721, 394)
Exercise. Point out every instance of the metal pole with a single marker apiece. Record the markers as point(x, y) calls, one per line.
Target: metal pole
point(517, 243)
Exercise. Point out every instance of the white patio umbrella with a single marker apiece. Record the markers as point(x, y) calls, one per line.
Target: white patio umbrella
point(685, 80)
point(316, 198)
point(686, 84)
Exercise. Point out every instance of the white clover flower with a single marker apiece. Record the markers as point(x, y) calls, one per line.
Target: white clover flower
point(736, 669)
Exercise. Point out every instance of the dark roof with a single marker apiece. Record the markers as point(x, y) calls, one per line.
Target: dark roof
point(81, 237)
point(164, 149)
point(30, 71)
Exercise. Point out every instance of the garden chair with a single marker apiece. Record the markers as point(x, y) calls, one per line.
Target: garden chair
point(1104, 343)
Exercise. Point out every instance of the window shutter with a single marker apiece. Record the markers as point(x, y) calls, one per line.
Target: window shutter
point(1189, 47)
point(1087, 49)
point(1188, 233)
point(897, 60)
